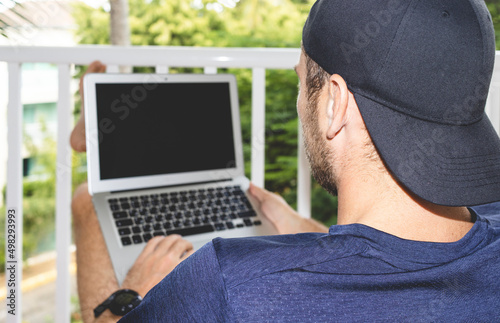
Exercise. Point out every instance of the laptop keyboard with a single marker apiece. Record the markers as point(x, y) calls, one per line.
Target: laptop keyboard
point(139, 218)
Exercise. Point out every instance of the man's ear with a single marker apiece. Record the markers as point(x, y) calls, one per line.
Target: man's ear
point(338, 102)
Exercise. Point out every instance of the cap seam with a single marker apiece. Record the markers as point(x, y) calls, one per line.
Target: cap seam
point(365, 94)
point(386, 60)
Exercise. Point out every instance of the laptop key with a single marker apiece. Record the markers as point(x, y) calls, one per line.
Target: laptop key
point(124, 231)
point(123, 223)
point(136, 229)
point(120, 215)
point(246, 214)
point(114, 207)
point(230, 225)
point(137, 239)
point(158, 233)
point(147, 237)
point(126, 241)
point(191, 231)
point(248, 222)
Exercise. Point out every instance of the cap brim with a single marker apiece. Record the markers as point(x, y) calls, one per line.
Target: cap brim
point(443, 164)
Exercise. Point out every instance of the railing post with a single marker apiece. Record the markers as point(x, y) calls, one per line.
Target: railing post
point(161, 69)
point(210, 70)
point(258, 125)
point(63, 195)
point(14, 206)
point(303, 180)
point(112, 68)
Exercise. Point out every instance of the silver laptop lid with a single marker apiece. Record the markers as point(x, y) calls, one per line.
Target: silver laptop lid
point(152, 130)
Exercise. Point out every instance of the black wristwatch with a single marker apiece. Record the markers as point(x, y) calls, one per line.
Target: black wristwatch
point(119, 303)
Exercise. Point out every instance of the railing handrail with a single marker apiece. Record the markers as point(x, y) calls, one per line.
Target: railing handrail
point(275, 58)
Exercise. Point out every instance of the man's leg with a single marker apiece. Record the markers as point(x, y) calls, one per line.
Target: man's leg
point(95, 276)
point(77, 138)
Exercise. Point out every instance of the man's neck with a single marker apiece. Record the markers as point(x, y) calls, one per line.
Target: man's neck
point(382, 204)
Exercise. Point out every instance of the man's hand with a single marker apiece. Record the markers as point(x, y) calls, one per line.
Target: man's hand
point(285, 219)
point(158, 259)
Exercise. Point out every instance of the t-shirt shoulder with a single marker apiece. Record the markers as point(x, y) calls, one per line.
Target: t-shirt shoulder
point(245, 259)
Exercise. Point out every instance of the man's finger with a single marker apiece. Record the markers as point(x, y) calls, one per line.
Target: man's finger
point(179, 247)
point(167, 242)
point(153, 244)
point(257, 192)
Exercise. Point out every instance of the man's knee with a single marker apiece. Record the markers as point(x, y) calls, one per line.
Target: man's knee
point(81, 205)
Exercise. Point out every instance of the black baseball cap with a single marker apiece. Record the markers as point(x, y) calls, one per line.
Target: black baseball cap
point(420, 72)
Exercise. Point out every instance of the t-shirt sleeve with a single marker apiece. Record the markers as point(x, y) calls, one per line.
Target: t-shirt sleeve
point(193, 292)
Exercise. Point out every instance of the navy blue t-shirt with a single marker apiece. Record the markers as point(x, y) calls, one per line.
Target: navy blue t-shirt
point(354, 273)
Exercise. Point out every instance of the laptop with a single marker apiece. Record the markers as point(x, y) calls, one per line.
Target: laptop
point(165, 156)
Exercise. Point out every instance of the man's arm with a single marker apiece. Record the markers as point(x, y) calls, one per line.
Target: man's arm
point(95, 276)
point(285, 219)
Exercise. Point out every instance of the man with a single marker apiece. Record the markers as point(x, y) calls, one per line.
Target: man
point(391, 102)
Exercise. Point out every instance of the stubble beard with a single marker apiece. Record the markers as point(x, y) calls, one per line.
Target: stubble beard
point(319, 156)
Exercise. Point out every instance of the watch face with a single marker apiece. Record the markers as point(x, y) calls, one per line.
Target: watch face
point(124, 298)
point(124, 301)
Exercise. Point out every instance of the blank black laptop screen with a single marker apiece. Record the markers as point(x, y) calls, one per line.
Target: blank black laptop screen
point(165, 128)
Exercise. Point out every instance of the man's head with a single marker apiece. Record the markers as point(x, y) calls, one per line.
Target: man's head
point(419, 71)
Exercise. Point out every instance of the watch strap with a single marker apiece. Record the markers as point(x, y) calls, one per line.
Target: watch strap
point(106, 304)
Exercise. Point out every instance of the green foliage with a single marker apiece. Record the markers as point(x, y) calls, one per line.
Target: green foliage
point(494, 8)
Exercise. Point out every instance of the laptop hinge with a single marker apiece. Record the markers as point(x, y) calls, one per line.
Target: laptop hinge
point(170, 186)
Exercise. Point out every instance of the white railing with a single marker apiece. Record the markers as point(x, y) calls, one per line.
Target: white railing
point(161, 58)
